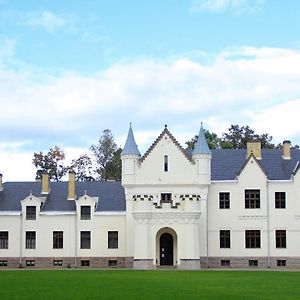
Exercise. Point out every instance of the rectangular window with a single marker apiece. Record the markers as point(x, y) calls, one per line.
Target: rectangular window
point(224, 238)
point(30, 212)
point(112, 239)
point(224, 200)
point(166, 163)
point(281, 263)
point(57, 263)
point(280, 236)
point(85, 239)
point(253, 263)
point(113, 263)
point(3, 239)
point(85, 213)
point(3, 263)
point(279, 199)
point(85, 263)
point(252, 198)
point(30, 240)
point(166, 197)
point(58, 239)
point(225, 263)
point(30, 263)
point(252, 238)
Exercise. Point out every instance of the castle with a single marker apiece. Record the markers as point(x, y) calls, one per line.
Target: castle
point(222, 208)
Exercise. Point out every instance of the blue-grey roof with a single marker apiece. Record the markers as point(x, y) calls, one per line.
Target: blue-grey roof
point(130, 147)
point(111, 195)
point(227, 163)
point(201, 146)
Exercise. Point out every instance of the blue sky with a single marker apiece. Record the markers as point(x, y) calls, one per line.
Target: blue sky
point(69, 69)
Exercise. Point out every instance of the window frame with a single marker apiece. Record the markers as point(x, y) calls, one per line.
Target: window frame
point(166, 197)
point(30, 215)
point(224, 200)
point(58, 239)
point(280, 239)
point(252, 239)
point(85, 239)
point(4, 239)
point(166, 163)
point(113, 239)
point(251, 201)
point(85, 212)
point(280, 202)
point(224, 238)
point(30, 241)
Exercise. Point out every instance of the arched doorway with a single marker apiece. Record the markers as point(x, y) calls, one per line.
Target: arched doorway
point(166, 249)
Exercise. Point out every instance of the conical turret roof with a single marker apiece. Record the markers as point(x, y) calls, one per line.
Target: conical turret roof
point(201, 146)
point(130, 147)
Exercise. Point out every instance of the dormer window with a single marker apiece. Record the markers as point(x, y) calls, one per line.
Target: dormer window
point(85, 213)
point(166, 163)
point(30, 212)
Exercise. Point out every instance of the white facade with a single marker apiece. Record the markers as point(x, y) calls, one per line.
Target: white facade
point(177, 214)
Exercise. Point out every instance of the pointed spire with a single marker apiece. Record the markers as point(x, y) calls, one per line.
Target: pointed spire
point(130, 147)
point(201, 146)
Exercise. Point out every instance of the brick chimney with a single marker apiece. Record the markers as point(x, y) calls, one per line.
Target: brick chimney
point(286, 150)
point(45, 183)
point(254, 148)
point(1, 183)
point(71, 189)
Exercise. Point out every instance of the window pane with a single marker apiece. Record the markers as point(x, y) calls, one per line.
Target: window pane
point(85, 240)
point(85, 212)
point(112, 239)
point(3, 239)
point(252, 198)
point(57, 239)
point(30, 212)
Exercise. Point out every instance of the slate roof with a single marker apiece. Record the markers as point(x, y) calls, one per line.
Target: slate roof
point(111, 195)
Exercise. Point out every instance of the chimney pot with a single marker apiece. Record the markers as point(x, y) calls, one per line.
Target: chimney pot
point(71, 188)
point(254, 148)
point(45, 183)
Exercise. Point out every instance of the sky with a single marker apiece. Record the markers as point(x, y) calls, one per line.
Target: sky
point(70, 69)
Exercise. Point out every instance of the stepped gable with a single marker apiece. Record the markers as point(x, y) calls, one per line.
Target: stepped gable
point(166, 131)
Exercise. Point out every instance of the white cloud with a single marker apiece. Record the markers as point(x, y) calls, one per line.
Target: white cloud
point(251, 86)
point(236, 6)
point(47, 20)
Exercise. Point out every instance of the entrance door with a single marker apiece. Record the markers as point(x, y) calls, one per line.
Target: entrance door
point(166, 249)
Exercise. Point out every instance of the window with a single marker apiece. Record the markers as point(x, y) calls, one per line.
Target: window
point(30, 240)
point(85, 240)
point(224, 238)
point(252, 198)
point(3, 263)
point(280, 238)
point(253, 263)
point(166, 163)
point(30, 212)
point(281, 263)
point(85, 263)
point(57, 263)
point(85, 212)
point(252, 238)
point(3, 239)
point(279, 199)
point(113, 263)
point(112, 239)
point(225, 263)
point(58, 239)
point(224, 200)
point(166, 197)
point(30, 263)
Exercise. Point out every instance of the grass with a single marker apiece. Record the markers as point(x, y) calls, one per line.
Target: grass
point(136, 285)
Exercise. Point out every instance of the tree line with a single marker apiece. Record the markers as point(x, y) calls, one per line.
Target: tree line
point(105, 160)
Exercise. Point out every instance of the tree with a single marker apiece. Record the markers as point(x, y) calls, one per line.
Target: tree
point(114, 167)
point(212, 139)
point(83, 168)
point(107, 160)
point(51, 162)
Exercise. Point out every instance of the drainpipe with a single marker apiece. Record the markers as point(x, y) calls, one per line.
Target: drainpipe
point(268, 222)
point(207, 257)
point(21, 239)
point(76, 239)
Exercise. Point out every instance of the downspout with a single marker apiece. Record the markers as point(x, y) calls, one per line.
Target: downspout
point(21, 239)
point(207, 257)
point(268, 223)
point(76, 238)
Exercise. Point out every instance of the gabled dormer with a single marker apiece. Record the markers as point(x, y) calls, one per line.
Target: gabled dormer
point(86, 207)
point(31, 207)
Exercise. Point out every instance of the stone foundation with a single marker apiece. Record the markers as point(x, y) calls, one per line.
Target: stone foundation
point(143, 264)
point(189, 264)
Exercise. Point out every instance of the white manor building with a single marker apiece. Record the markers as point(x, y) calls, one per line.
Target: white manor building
point(184, 209)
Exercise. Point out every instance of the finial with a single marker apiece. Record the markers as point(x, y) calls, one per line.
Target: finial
point(130, 124)
point(201, 125)
point(166, 126)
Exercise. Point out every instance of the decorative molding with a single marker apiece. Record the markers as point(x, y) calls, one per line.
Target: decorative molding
point(248, 217)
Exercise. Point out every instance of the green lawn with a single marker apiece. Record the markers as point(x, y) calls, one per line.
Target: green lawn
point(136, 285)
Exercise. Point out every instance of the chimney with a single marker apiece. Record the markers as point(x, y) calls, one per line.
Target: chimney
point(286, 150)
point(254, 148)
point(45, 183)
point(71, 193)
point(1, 183)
